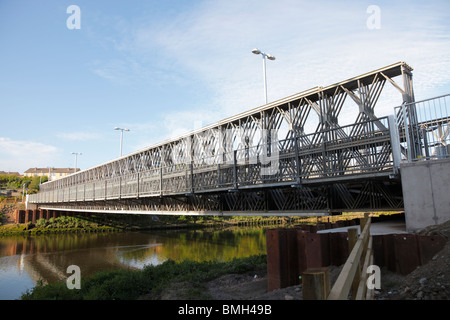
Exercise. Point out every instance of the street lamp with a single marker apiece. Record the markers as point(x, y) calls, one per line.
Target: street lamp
point(23, 193)
point(270, 57)
point(76, 158)
point(49, 173)
point(121, 136)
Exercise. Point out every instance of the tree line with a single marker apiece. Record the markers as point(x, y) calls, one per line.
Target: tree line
point(19, 183)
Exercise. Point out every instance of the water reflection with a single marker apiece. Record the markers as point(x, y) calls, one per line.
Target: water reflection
point(26, 260)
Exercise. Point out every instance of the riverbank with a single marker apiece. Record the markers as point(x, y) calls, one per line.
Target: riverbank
point(130, 222)
point(54, 226)
point(104, 223)
point(241, 279)
point(185, 280)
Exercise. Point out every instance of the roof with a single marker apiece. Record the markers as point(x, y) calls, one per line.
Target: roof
point(52, 170)
point(9, 173)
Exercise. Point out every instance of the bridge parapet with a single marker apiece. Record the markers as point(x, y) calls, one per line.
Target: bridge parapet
point(331, 155)
point(424, 128)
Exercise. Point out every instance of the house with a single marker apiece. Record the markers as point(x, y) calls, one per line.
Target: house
point(51, 173)
point(9, 173)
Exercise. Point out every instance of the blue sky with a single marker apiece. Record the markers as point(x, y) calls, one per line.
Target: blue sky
point(163, 68)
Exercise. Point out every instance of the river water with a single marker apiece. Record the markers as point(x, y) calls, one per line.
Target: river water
point(26, 261)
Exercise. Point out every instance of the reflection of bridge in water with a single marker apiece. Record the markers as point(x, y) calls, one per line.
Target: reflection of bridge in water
point(46, 258)
point(289, 157)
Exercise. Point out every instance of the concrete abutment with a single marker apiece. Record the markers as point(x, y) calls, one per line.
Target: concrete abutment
point(426, 186)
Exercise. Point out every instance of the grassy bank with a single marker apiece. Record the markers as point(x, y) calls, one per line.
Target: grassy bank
point(133, 222)
point(55, 225)
point(148, 283)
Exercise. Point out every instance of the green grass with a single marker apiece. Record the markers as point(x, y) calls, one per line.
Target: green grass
point(151, 281)
point(55, 225)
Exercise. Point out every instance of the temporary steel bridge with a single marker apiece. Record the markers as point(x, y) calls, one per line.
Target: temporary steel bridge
point(262, 161)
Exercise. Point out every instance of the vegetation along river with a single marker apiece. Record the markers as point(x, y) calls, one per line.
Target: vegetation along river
point(26, 261)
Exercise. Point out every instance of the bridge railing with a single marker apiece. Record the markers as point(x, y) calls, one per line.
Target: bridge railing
point(424, 129)
point(363, 148)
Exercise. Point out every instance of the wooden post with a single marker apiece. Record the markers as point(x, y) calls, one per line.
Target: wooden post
point(352, 238)
point(363, 221)
point(363, 224)
point(343, 283)
point(316, 284)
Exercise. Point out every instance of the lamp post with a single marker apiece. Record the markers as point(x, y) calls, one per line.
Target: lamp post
point(49, 173)
point(76, 158)
point(270, 57)
point(121, 136)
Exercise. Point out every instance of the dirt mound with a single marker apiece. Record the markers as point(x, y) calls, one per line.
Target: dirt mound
point(442, 229)
point(238, 287)
point(430, 281)
point(254, 287)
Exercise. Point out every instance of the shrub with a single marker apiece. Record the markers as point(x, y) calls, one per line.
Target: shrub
point(41, 223)
point(130, 284)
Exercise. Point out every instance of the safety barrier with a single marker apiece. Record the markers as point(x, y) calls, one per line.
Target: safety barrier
point(316, 281)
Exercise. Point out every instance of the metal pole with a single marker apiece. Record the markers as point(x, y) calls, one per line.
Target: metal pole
point(121, 141)
point(408, 139)
point(76, 156)
point(121, 137)
point(270, 57)
point(265, 78)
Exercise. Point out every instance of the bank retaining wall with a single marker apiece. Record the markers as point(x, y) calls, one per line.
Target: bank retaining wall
point(291, 251)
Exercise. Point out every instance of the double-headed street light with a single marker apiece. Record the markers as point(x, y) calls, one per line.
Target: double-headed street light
point(121, 136)
point(270, 57)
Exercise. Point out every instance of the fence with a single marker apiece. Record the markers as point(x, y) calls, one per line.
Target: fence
point(424, 129)
point(353, 277)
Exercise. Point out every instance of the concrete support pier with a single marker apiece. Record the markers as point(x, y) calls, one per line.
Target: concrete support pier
point(426, 193)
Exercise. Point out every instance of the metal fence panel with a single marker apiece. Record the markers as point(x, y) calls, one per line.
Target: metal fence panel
point(424, 129)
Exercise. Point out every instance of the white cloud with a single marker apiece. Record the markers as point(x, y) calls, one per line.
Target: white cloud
point(78, 136)
point(19, 155)
point(172, 125)
point(315, 43)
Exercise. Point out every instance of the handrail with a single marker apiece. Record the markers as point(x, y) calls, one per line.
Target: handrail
point(316, 281)
point(352, 267)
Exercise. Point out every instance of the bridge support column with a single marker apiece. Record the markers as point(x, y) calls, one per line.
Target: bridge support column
point(33, 216)
point(425, 193)
point(17, 216)
point(22, 214)
point(28, 216)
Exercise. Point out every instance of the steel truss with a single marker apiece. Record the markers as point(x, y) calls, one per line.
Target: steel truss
point(261, 161)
